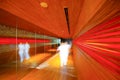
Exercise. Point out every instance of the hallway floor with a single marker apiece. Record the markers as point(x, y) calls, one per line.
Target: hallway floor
point(49, 69)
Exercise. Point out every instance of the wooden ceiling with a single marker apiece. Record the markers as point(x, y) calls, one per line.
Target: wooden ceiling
point(29, 15)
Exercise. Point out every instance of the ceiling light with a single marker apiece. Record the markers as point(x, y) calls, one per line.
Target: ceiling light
point(44, 4)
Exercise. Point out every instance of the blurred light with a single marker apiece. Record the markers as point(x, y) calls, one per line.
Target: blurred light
point(44, 4)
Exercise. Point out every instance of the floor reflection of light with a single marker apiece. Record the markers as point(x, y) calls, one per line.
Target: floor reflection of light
point(52, 50)
point(36, 59)
point(54, 61)
point(50, 69)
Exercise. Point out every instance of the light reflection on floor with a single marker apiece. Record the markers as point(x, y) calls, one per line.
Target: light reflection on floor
point(50, 69)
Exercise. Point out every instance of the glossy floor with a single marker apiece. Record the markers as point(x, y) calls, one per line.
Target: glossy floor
point(48, 69)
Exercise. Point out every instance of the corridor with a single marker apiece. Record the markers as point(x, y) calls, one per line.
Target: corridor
point(32, 30)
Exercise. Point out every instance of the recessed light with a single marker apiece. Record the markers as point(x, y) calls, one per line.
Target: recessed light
point(44, 4)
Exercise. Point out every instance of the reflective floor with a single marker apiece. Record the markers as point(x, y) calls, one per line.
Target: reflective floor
point(39, 67)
